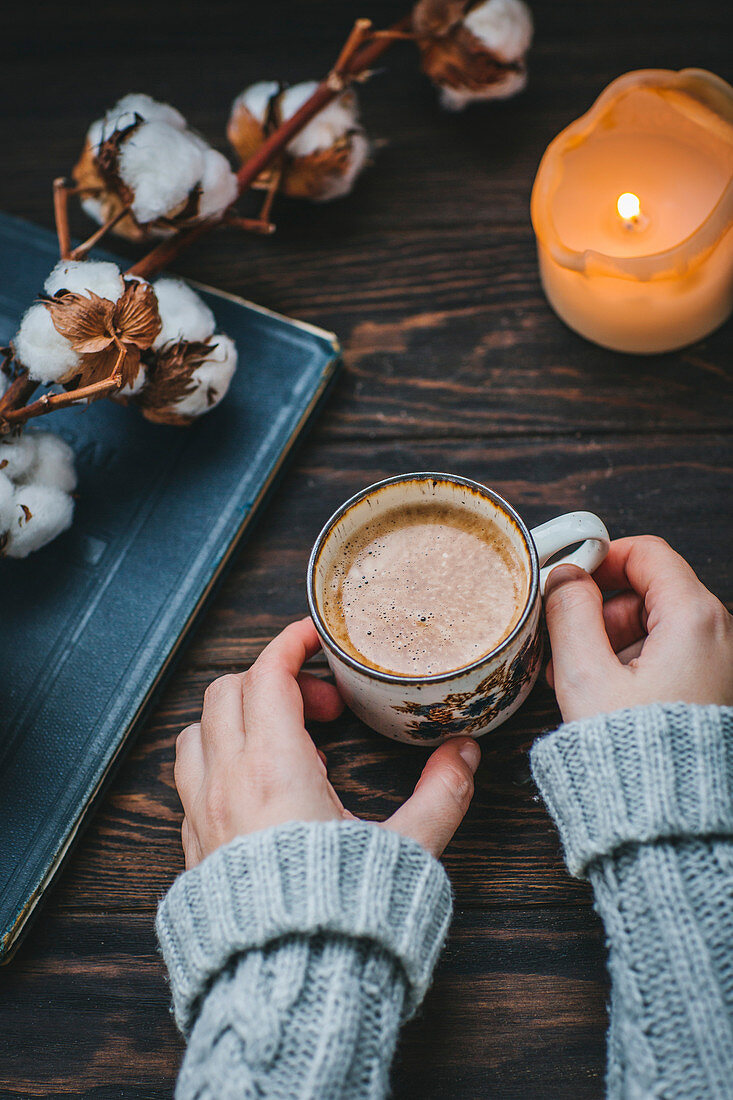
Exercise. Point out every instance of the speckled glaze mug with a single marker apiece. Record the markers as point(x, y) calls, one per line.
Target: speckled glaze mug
point(426, 710)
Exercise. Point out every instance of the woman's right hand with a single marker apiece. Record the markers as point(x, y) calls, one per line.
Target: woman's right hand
point(662, 637)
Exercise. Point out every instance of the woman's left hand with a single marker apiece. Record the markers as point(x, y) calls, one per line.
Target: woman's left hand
point(250, 762)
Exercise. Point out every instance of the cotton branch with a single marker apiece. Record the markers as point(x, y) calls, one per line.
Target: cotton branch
point(363, 47)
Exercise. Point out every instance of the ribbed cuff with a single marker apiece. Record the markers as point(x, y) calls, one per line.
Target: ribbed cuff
point(351, 879)
point(637, 775)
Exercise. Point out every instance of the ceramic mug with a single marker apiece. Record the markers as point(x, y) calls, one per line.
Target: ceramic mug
point(426, 710)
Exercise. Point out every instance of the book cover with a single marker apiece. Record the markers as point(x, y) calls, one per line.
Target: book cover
point(90, 624)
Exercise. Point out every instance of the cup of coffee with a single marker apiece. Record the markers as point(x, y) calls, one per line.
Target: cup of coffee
point(425, 590)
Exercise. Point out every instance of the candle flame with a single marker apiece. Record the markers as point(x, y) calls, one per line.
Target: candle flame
point(628, 206)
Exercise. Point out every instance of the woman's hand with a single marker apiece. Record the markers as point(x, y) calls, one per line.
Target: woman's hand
point(661, 638)
point(250, 763)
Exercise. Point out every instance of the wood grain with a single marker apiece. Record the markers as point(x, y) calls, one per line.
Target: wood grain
point(454, 361)
point(517, 986)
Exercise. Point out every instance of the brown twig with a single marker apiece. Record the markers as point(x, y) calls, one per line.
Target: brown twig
point(51, 401)
point(272, 188)
point(81, 250)
point(359, 33)
point(250, 225)
point(359, 62)
point(16, 394)
point(61, 216)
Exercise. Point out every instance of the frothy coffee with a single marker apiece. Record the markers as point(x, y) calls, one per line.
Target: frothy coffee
point(424, 589)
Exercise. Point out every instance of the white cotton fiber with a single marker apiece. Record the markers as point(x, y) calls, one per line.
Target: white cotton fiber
point(81, 276)
point(43, 351)
point(256, 98)
point(212, 378)
point(53, 462)
point(41, 512)
point(17, 455)
point(161, 165)
point(509, 84)
point(218, 184)
point(341, 184)
point(504, 26)
point(4, 382)
point(183, 315)
point(327, 127)
point(7, 510)
point(124, 112)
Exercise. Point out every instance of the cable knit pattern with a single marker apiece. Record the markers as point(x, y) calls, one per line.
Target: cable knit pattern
point(643, 801)
point(294, 954)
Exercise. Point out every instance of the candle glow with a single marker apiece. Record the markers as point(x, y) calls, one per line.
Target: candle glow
point(631, 278)
point(628, 206)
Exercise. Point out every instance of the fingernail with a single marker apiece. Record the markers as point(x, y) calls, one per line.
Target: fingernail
point(471, 753)
point(563, 574)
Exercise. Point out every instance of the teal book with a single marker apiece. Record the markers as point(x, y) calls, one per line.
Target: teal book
point(90, 624)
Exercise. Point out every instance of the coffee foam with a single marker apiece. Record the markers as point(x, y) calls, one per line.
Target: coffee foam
point(424, 589)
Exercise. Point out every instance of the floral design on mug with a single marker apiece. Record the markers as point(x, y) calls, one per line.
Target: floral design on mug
point(466, 712)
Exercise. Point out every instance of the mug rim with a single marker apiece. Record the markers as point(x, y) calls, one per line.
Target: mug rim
point(330, 642)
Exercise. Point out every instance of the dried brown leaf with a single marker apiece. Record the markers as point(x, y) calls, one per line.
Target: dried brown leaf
point(136, 317)
point(170, 378)
point(86, 321)
point(99, 330)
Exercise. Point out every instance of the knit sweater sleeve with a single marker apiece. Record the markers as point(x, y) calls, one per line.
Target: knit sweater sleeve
point(643, 801)
point(294, 955)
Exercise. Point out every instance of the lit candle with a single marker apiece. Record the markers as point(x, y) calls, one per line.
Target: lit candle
point(633, 212)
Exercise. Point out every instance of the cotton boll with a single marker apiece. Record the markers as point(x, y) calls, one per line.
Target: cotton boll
point(53, 462)
point(44, 352)
point(218, 184)
point(504, 26)
point(183, 314)
point(7, 510)
point(328, 126)
point(41, 512)
point(212, 379)
point(161, 165)
point(81, 276)
point(475, 51)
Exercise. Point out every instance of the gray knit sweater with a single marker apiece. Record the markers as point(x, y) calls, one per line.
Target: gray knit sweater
point(295, 954)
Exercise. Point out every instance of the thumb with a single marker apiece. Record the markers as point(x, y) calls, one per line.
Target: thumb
point(574, 613)
point(441, 797)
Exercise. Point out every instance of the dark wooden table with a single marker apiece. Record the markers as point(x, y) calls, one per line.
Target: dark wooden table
point(454, 361)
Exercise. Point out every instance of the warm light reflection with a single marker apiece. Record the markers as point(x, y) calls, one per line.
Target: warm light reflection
point(628, 206)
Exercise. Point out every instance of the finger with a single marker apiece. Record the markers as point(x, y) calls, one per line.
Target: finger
point(441, 797)
point(574, 613)
point(644, 563)
point(626, 656)
point(189, 769)
point(625, 619)
point(222, 719)
point(321, 700)
point(191, 847)
point(550, 675)
point(273, 703)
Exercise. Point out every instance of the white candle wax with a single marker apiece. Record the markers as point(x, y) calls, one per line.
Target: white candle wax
point(659, 274)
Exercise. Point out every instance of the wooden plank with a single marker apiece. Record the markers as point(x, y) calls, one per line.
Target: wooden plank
point(517, 1005)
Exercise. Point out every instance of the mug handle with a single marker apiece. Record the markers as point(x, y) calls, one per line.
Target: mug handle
point(583, 527)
